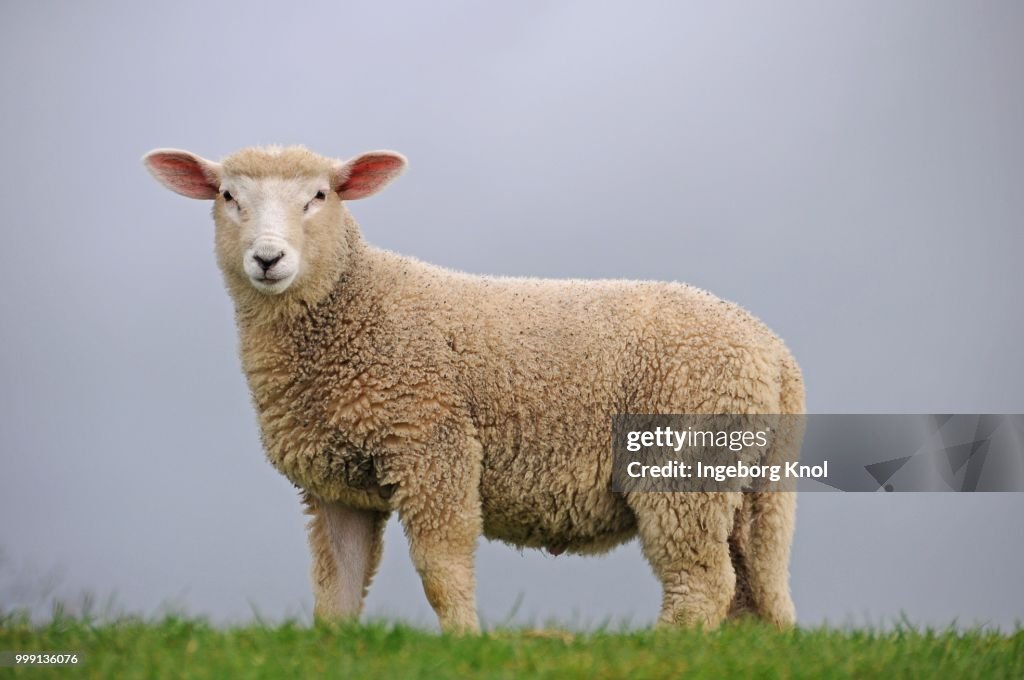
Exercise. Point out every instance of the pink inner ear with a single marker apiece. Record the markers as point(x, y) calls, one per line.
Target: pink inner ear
point(183, 175)
point(368, 175)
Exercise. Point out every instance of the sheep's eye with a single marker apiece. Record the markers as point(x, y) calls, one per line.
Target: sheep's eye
point(319, 197)
point(228, 196)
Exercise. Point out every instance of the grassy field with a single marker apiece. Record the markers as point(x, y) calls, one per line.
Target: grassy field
point(190, 648)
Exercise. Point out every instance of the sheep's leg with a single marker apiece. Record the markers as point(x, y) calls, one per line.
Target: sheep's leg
point(771, 518)
point(439, 506)
point(759, 546)
point(446, 569)
point(772, 515)
point(685, 538)
point(739, 548)
point(767, 556)
point(346, 548)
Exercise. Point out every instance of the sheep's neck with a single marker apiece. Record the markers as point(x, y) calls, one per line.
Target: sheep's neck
point(307, 329)
point(290, 359)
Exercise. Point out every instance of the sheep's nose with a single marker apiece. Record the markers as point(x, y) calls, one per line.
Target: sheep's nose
point(266, 263)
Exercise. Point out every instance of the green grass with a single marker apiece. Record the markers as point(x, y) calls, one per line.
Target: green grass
point(175, 647)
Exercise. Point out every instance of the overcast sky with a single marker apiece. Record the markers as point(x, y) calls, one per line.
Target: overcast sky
point(851, 172)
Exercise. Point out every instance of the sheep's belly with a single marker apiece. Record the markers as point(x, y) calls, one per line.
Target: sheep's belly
point(537, 515)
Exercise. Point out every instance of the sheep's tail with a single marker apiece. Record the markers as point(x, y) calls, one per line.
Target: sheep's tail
point(791, 387)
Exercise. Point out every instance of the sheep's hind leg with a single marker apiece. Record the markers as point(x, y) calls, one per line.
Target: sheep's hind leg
point(739, 547)
point(771, 518)
point(346, 547)
point(684, 537)
point(767, 556)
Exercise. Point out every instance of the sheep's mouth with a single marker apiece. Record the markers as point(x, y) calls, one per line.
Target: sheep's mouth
point(271, 284)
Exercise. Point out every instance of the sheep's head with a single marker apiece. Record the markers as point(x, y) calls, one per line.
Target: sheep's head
point(278, 211)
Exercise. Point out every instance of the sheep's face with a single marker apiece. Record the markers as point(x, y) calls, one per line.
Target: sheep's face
point(278, 211)
point(263, 225)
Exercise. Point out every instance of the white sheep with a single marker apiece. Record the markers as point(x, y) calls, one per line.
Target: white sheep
point(476, 405)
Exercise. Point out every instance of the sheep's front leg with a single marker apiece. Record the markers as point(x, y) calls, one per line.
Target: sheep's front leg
point(438, 503)
point(346, 547)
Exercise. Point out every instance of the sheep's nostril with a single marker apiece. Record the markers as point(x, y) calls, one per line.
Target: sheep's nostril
point(267, 263)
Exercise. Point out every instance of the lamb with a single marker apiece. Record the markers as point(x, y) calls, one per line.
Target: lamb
point(475, 405)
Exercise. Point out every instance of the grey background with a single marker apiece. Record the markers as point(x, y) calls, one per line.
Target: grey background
point(849, 171)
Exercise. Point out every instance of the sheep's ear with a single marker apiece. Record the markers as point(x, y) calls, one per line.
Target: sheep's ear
point(366, 174)
point(184, 173)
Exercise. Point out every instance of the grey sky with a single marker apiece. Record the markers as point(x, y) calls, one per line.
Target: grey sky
point(851, 172)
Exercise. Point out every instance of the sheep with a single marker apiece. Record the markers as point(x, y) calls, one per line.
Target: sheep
point(479, 406)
